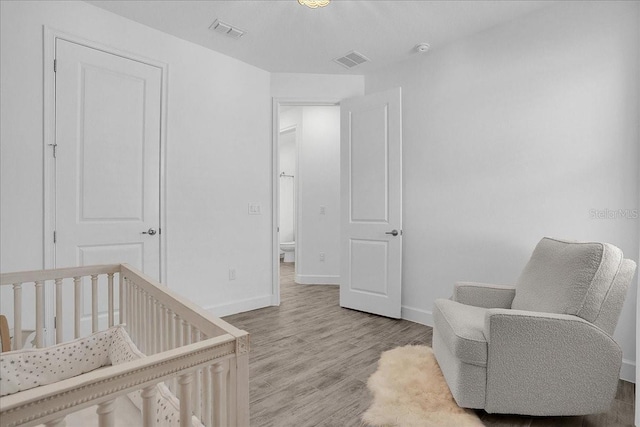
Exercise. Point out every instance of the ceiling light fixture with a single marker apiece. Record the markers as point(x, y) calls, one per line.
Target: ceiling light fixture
point(314, 4)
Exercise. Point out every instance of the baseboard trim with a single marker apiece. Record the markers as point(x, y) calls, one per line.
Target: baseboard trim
point(305, 279)
point(628, 371)
point(241, 306)
point(417, 315)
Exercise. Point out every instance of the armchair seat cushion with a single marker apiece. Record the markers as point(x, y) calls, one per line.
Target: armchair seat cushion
point(462, 329)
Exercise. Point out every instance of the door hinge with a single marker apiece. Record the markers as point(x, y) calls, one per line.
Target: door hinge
point(55, 237)
point(55, 65)
point(55, 322)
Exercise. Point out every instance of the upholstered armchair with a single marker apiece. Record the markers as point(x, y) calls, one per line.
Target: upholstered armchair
point(543, 346)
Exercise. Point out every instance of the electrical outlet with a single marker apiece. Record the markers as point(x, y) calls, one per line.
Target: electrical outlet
point(232, 274)
point(321, 256)
point(323, 210)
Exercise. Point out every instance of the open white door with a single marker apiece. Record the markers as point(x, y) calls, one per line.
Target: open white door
point(371, 196)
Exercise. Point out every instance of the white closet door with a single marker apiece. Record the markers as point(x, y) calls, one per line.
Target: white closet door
point(108, 113)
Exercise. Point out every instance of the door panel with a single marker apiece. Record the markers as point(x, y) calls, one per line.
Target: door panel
point(369, 178)
point(111, 151)
point(371, 193)
point(108, 111)
point(366, 277)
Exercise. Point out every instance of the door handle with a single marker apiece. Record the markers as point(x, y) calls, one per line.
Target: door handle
point(392, 232)
point(150, 232)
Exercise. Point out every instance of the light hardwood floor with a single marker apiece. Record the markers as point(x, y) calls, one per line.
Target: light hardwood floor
point(310, 360)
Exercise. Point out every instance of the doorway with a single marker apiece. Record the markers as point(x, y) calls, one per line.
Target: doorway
point(306, 193)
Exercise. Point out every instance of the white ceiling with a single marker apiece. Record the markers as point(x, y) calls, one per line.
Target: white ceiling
point(282, 36)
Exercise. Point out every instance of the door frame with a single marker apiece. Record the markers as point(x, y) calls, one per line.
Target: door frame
point(50, 35)
point(275, 180)
point(296, 185)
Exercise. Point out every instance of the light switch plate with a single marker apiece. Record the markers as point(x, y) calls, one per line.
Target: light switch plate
point(255, 209)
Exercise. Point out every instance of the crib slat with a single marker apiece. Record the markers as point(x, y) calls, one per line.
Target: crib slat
point(160, 325)
point(59, 312)
point(207, 397)
point(110, 296)
point(39, 314)
point(186, 333)
point(133, 324)
point(121, 303)
point(135, 310)
point(178, 331)
point(140, 317)
point(197, 385)
point(155, 326)
point(148, 323)
point(219, 380)
point(130, 304)
point(143, 321)
point(166, 335)
point(106, 417)
point(94, 303)
point(149, 406)
point(17, 316)
point(141, 305)
point(185, 400)
point(177, 336)
point(76, 305)
point(148, 320)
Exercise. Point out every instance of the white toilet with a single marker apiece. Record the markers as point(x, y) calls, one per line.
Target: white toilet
point(289, 249)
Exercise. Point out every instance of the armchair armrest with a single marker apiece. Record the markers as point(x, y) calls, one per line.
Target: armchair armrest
point(484, 294)
point(554, 361)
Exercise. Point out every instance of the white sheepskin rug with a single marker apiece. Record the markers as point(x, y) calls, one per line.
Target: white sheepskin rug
point(409, 391)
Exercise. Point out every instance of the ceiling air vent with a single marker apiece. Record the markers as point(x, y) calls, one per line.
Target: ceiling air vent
point(351, 59)
point(226, 29)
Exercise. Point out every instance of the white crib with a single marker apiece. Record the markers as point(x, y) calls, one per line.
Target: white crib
point(202, 359)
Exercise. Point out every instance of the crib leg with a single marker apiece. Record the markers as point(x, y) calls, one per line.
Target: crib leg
point(105, 414)
point(185, 399)
point(60, 422)
point(149, 406)
point(219, 379)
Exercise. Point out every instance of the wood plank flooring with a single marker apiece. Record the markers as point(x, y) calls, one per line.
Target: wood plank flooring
point(310, 360)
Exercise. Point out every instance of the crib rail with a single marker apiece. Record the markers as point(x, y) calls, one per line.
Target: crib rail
point(202, 359)
point(38, 279)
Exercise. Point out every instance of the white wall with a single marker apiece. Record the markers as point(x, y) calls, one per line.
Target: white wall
point(218, 151)
point(318, 185)
point(517, 133)
point(316, 86)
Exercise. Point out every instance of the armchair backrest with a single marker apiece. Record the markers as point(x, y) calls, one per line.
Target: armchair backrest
point(589, 280)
